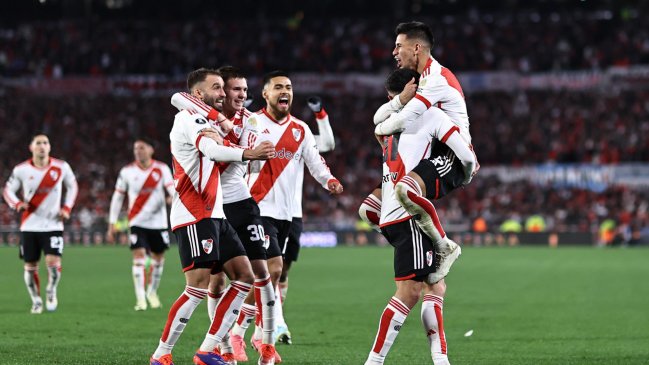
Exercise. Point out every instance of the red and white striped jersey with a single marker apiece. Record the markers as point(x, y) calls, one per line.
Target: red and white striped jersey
point(325, 142)
point(243, 134)
point(273, 182)
point(404, 151)
point(145, 187)
point(437, 87)
point(42, 189)
point(197, 179)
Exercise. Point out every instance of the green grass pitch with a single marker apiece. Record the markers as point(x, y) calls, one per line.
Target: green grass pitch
point(525, 306)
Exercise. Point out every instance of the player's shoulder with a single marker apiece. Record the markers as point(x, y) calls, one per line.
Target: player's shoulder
point(160, 164)
point(58, 162)
point(300, 123)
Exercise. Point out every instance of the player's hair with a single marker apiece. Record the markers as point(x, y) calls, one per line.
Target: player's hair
point(397, 79)
point(269, 76)
point(416, 30)
point(230, 72)
point(146, 140)
point(199, 75)
point(38, 134)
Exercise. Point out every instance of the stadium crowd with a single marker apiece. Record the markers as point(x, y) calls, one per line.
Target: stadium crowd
point(526, 40)
point(95, 134)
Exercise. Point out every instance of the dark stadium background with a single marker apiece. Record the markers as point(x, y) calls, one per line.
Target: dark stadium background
point(556, 91)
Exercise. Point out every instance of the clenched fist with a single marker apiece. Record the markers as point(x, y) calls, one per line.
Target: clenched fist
point(265, 151)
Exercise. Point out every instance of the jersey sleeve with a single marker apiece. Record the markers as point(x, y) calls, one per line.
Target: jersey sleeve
point(387, 109)
point(315, 163)
point(250, 134)
point(325, 139)
point(167, 179)
point(11, 188)
point(187, 128)
point(185, 101)
point(71, 188)
point(397, 122)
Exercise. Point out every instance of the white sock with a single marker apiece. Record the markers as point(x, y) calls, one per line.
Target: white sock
point(246, 316)
point(53, 278)
point(33, 284)
point(434, 231)
point(392, 319)
point(431, 318)
point(265, 299)
point(179, 315)
point(157, 267)
point(139, 278)
point(212, 301)
point(279, 310)
point(226, 313)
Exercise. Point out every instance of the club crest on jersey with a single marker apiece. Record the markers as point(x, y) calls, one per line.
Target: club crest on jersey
point(297, 134)
point(429, 258)
point(208, 245)
point(54, 174)
point(155, 175)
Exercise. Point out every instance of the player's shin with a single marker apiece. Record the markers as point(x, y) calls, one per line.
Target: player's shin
point(32, 282)
point(139, 281)
point(226, 313)
point(266, 301)
point(179, 315)
point(433, 322)
point(212, 301)
point(393, 317)
point(157, 267)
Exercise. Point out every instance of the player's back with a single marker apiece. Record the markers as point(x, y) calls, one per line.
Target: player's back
point(438, 87)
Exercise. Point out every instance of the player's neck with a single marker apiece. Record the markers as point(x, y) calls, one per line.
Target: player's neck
point(144, 164)
point(421, 65)
point(276, 116)
point(40, 162)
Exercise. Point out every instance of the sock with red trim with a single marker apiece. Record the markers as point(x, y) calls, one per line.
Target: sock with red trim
point(226, 313)
point(139, 278)
point(157, 267)
point(432, 228)
point(279, 309)
point(212, 301)
point(246, 316)
point(33, 284)
point(177, 319)
point(266, 301)
point(432, 319)
point(370, 211)
point(389, 326)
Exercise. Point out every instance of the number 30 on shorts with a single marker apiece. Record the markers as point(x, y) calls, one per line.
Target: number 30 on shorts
point(57, 243)
point(256, 232)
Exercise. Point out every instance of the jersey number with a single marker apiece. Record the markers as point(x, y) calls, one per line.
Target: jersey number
point(257, 233)
point(57, 243)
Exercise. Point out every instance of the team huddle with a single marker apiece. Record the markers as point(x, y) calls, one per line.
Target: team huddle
point(236, 203)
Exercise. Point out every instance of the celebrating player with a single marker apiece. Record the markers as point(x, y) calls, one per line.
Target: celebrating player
point(197, 219)
point(41, 179)
point(414, 254)
point(325, 142)
point(272, 183)
point(438, 87)
point(145, 181)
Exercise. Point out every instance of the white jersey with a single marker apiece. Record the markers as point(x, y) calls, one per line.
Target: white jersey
point(147, 207)
point(243, 134)
point(325, 142)
point(404, 151)
point(42, 189)
point(273, 182)
point(197, 180)
point(437, 87)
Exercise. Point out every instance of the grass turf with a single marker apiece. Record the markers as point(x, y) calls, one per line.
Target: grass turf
point(526, 306)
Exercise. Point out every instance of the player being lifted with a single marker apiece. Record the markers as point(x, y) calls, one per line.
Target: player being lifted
point(197, 219)
point(41, 180)
point(145, 181)
point(325, 142)
point(414, 266)
point(432, 177)
point(273, 182)
point(242, 212)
